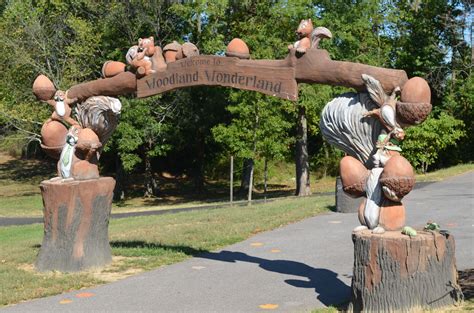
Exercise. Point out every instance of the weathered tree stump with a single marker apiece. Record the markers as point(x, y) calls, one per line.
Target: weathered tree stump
point(395, 272)
point(76, 219)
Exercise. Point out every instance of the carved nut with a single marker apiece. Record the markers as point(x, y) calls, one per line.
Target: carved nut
point(237, 48)
point(43, 88)
point(353, 176)
point(398, 177)
point(53, 134)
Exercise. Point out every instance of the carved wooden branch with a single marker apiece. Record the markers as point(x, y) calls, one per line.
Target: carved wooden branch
point(273, 77)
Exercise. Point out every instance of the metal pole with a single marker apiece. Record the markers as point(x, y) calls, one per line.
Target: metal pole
point(231, 179)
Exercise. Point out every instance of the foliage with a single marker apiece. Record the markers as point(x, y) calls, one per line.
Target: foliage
point(426, 141)
point(190, 132)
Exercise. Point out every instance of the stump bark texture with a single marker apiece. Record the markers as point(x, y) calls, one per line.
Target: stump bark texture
point(395, 272)
point(76, 219)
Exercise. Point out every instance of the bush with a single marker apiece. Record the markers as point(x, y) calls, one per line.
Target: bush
point(424, 142)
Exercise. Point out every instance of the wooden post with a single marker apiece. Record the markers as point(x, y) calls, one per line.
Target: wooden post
point(76, 220)
point(394, 272)
point(231, 179)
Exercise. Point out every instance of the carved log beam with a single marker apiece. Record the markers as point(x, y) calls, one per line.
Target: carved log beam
point(272, 77)
point(315, 66)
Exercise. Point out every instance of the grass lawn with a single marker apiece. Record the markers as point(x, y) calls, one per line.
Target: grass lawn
point(20, 195)
point(144, 243)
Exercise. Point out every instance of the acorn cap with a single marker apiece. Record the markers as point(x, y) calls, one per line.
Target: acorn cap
point(43, 88)
point(174, 46)
point(237, 48)
point(412, 113)
point(189, 49)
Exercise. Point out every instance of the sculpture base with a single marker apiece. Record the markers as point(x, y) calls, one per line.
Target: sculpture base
point(393, 272)
point(76, 220)
point(344, 202)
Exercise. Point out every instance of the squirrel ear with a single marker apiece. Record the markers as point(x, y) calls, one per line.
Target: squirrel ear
point(309, 20)
point(151, 38)
point(139, 40)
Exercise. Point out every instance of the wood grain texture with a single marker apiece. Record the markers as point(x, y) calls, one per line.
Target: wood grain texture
point(394, 272)
point(76, 219)
point(272, 78)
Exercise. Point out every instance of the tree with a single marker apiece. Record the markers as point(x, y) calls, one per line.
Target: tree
point(256, 129)
point(424, 142)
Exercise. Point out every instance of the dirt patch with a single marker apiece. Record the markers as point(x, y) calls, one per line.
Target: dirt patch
point(114, 271)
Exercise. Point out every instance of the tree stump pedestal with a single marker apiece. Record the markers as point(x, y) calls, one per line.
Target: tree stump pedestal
point(76, 220)
point(395, 272)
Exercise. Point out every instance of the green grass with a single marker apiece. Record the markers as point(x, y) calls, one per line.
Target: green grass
point(20, 193)
point(144, 243)
point(445, 173)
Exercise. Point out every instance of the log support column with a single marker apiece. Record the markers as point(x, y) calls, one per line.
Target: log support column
point(76, 220)
point(395, 272)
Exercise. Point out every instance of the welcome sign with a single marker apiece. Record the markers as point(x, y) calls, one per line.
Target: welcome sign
point(271, 79)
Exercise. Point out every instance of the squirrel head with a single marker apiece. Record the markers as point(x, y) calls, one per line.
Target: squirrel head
point(305, 28)
point(148, 44)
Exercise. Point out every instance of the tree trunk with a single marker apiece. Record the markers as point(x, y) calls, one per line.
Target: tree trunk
point(247, 169)
point(198, 168)
point(119, 194)
point(302, 164)
point(265, 178)
point(395, 272)
point(151, 185)
point(249, 194)
point(231, 184)
point(76, 220)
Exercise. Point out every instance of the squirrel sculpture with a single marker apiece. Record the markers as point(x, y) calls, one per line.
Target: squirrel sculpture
point(309, 37)
point(145, 57)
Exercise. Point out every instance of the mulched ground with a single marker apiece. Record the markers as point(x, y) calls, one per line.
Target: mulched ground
point(466, 281)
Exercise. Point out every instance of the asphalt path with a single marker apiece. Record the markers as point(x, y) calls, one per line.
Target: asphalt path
point(296, 268)
point(18, 221)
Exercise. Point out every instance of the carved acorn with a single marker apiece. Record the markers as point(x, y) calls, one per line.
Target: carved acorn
point(353, 176)
point(53, 138)
point(398, 178)
point(112, 68)
point(43, 88)
point(237, 48)
point(170, 51)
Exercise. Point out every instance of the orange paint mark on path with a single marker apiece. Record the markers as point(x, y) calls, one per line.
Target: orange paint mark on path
point(275, 250)
point(85, 295)
point(256, 244)
point(65, 301)
point(268, 306)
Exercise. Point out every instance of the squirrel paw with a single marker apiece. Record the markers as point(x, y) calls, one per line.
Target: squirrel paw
point(390, 194)
point(378, 230)
point(301, 50)
point(360, 228)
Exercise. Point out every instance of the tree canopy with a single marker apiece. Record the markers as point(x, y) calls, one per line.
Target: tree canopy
point(193, 131)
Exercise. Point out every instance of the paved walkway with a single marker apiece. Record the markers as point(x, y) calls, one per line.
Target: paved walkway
point(296, 268)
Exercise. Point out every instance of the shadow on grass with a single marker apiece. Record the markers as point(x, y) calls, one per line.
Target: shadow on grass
point(138, 244)
point(27, 170)
point(330, 289)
